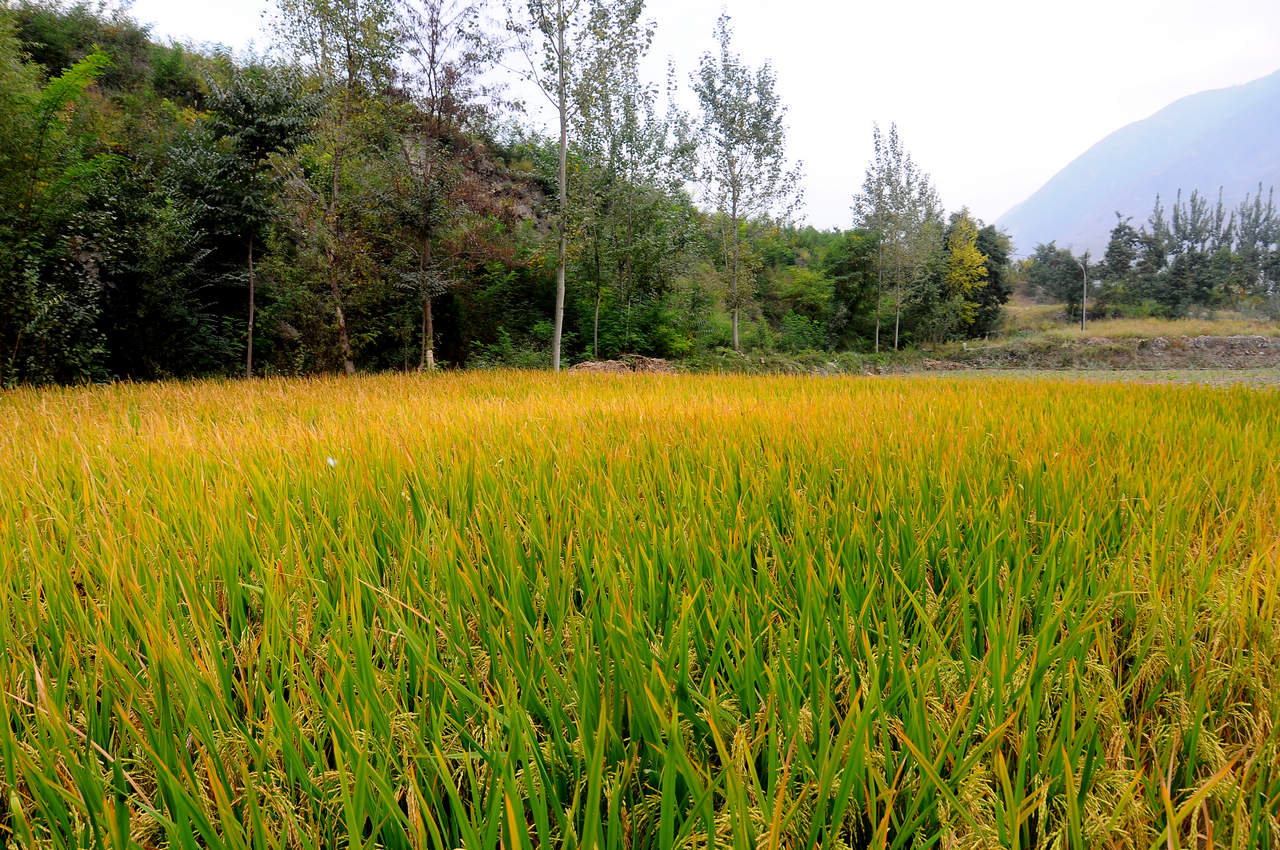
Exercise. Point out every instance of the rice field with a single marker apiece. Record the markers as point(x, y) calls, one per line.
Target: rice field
point(512, 610)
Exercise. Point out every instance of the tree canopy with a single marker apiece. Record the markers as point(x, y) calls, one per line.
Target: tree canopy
point(364, 196)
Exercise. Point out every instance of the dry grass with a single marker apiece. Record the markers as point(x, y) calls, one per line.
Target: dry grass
point(510, 610)
point(1024, 318)
point(1021, 317)
point(1169, 328)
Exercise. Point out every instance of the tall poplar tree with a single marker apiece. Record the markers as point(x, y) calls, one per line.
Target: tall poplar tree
point(898, 201)
point(630, 158)
point(548, 32)
point(742, 138)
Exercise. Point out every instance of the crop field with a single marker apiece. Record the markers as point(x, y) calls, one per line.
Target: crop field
point(514, 610)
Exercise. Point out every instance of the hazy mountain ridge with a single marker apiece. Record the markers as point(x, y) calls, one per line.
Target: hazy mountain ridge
point(1228, 138)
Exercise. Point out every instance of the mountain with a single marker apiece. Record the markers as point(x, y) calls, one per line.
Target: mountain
point(1228, 138)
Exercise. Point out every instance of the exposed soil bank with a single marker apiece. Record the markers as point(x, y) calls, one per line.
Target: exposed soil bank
point(625, 363)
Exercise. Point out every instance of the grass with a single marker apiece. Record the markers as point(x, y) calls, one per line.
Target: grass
point(510, 610)
point(1024, 318)
point(1168, 328)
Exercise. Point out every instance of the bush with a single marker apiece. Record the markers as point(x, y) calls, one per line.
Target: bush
point(506, 354)
point(800, 333)
point(758, 336)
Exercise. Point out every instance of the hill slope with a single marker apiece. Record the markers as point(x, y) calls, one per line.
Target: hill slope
point(1228, 138)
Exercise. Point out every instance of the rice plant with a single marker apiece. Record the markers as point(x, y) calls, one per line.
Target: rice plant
point(513, 610)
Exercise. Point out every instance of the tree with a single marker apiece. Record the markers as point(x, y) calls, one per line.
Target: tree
point(551, 29)
point(350, 47)
point(19, 92)
point(628, 167)
point(50, 160)
point(899, 201)
point(613, 134)
point(742, 137)
point(448, 53)
point(1122, 249)
point(255, 115)
point(851, 265)
point(1120, 287)
point(1256, 236)
point(966, 270)
point(1055, 274)
point(1193, 276)
point(991, 297)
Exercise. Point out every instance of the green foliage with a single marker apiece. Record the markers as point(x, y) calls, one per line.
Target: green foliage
point(372, 204)
point(53, 250)
point(1122, 249)
point(898, 201)
point(634, 224)
point(742, 151)
point(990, 298)
point(1202, 258)
point(852, 265)
point(56, 36)
point(1056, 275)
point(966, 270)
point(504, 353)
point(801, 333)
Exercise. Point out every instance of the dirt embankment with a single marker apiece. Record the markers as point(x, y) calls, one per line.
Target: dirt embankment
point(626, 363)
point(1191, 352)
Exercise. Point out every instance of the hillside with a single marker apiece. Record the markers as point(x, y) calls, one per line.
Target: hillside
point(1228, 138)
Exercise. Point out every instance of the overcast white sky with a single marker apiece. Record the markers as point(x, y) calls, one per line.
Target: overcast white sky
point(992, 97)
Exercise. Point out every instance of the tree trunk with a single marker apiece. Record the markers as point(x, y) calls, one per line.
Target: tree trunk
point(562, 248)
point(333, 214)
point(628, 266)
point(879, 290)
point(428, 361)
point(733, 283)
point(248, 357)
point(897, 306)
point(595, 331)
point(344, 339)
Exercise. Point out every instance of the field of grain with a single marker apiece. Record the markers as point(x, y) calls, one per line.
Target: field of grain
point(514, 610)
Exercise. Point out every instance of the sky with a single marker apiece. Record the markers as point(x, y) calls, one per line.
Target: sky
point(991, 97)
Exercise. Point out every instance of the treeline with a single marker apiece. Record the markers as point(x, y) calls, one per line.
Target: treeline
point(1199, 257)
point(364, 197)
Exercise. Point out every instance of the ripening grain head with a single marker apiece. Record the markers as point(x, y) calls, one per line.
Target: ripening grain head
point(516, 610)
